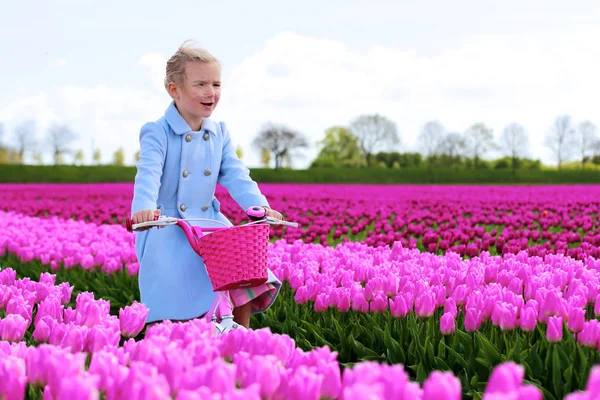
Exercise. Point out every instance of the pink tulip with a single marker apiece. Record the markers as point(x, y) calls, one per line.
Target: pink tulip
point(132, 319)
point(321, 302)
point(554, 330)
point(50, 307)
point(425, 305)
point(344, 302)
point(505, 316)
point(398, 307)
point(13, 327)
point(84, 386)
point(450, 307)
point(472, 320)
point(442, 386)
point(13, 377)
point(527, 321)
point(302, 295)
point(380, 303)
point(447, 324)
point(505, 378)
point(576, 319)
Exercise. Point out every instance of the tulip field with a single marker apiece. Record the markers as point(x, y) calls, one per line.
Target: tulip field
point(390, 292)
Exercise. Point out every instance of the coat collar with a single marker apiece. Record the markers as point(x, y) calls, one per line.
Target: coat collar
point(181, 127)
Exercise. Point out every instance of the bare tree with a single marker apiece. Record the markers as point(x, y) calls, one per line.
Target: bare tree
point(281, 141)
point(374, 133)
point(595, 147)
point(479, 140)
point(59, 138)
point(514, 142)
point(3, 148)
point(24, 138)
point(560, 139)
point(452, 145)
point(431, 136)
point(587, 136)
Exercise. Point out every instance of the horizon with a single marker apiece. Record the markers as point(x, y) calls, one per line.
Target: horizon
point(101, 72)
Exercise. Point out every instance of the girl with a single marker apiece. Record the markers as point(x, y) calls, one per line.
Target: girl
point(182, 157)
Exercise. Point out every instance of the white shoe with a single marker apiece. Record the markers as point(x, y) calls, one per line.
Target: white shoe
point(227, 324)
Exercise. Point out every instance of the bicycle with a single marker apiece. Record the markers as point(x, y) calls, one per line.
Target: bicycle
point(235, 256)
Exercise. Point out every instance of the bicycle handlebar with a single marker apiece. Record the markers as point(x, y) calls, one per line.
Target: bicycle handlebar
point(166, 221)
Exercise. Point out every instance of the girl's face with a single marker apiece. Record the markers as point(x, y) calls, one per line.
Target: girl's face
point(199, 94)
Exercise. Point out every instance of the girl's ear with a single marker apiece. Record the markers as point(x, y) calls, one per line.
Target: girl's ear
point(173, 90)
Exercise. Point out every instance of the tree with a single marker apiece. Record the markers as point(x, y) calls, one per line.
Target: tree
point(514, 142)
point(452, 145)
point(3, 149)
point(59, 159)
point(339, 148)
point(59, 138)
point(24, 138)
point(239, 152)
point(375, 133)
point(451, 148)
point(587, 137)
point(431, 136)
point(97, 156)
point(265, 157)
point(37, 158)
point(479, 140)
point(119, 157)
point(78, 158)
point(280, 141)
point(137, 156)
point(560, 139)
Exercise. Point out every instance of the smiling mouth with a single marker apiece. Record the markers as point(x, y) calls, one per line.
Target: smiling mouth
point(207, 104)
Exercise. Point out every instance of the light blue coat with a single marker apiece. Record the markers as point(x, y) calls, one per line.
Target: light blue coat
point(177, 173)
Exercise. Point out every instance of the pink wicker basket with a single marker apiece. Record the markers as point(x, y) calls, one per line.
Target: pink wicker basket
point(235, 257)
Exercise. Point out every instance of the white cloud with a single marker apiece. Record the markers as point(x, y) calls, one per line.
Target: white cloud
point(59, 63)
point(155, 64)
point(104, 117)
point(310, 84)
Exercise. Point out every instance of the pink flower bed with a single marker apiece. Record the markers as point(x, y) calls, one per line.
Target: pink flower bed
point(463, 219)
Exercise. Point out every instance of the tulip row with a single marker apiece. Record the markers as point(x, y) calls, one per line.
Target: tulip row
point(362, 278)
point(462, 219)
point(512, 291)
point(41, 303)
point(188, 361)
point(387, 301)
point(515, 291)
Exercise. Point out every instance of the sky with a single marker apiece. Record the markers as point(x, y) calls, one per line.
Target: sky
point(99, 66)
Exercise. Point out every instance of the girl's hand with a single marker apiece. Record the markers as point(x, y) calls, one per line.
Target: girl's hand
point(144, 216)
point(274, 214)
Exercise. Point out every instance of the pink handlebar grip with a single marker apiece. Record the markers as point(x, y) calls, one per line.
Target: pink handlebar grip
point(256, 212)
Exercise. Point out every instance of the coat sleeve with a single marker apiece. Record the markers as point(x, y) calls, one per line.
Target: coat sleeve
point(153, 149)
point(235, 176)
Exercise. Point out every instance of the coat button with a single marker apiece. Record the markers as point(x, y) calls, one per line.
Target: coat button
point(185, 173)
point(207, 172)
point(204, 207)
point(182, 207)
point(206, 136)
point(188, 138)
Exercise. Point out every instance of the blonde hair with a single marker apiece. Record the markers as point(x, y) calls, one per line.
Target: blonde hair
point(187, 52)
